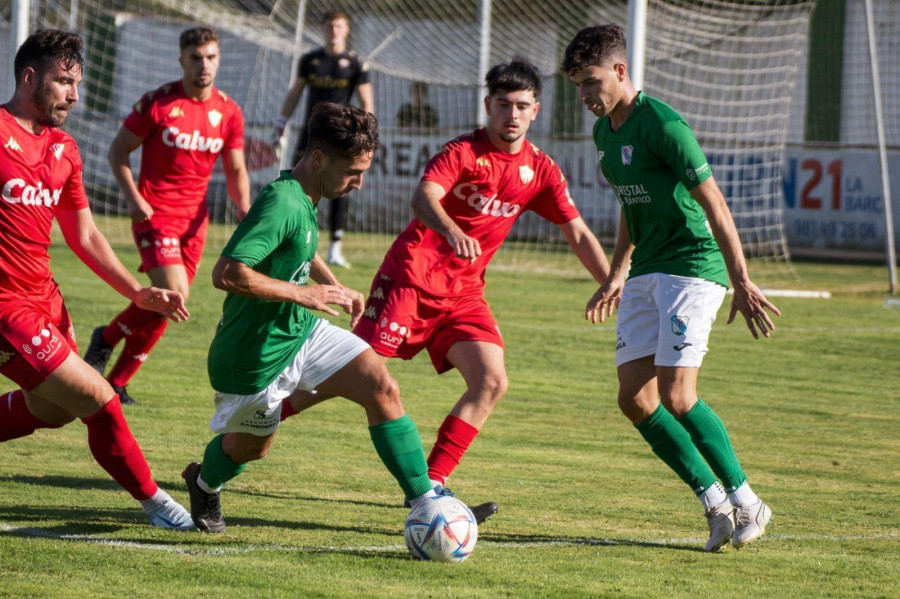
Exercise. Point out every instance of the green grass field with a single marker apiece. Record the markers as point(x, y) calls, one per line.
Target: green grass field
point(586, 509)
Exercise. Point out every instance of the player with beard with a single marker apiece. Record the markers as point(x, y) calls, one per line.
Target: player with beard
point(429, 292)
point(183, 127)
point(40, 177)
point(269, 345)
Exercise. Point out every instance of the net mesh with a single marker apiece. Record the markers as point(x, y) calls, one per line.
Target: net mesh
point(728, 66)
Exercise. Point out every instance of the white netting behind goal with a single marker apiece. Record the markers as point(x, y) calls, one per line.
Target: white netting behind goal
point(728, 66)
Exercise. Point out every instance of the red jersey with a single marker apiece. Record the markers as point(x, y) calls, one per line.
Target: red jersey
point(487, 190)
point(182, 139)
point(39, 174)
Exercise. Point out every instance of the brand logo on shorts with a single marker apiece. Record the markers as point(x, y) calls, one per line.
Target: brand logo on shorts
point(5, 356)
point(619, 343)
point(682, 346)
point(680, 324)
point(260, 415)
point(168, 246)
point(394, 335)
point(43, 345)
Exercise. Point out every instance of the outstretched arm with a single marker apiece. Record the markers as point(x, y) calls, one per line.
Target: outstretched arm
point(748, 299)
point(587, 248)
point(320, 273)
point(81, 234)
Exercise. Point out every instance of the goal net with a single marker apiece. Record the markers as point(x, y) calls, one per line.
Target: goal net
point(727, 66)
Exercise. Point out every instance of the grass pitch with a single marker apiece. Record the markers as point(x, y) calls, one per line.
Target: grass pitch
point(586, 509)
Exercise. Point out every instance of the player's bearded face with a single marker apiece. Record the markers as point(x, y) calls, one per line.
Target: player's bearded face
point(55, 94)
point(340, 176)
point(511, 113)
point(200, 64)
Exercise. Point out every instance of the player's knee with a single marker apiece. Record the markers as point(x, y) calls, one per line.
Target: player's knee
point(493, 386)
point(387, 391)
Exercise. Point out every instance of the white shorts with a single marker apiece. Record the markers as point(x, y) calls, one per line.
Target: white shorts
point(666, 316)
point(327, 349)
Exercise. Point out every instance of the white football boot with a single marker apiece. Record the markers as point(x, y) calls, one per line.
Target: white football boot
point(750, 523)
point(721, 526)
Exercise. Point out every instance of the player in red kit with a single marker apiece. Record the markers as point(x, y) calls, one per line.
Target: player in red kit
point(429, 292)
point(183, 127)
point(40, 178)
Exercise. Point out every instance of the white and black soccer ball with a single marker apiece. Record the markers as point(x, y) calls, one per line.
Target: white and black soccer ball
point(441, 529)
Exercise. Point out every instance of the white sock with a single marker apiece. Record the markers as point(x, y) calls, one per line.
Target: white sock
point(202, 484)
point(436, 483)
point(415, 502)
point(712, 496)
point(743, 495)
point(334, 250)
point(155, 500)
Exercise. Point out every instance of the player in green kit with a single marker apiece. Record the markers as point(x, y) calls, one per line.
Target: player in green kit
point(678, 234)
point(268, 344)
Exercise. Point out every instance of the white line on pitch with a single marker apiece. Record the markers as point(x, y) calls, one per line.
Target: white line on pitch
point(547, 542)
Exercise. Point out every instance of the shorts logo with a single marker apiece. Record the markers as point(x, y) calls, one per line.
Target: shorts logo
point(682, 346)
point(394, 335)
point(619, 343)
point(43, 345)
point(627, 153)
point(168, 246)
point(680, 324)
point(5, 357)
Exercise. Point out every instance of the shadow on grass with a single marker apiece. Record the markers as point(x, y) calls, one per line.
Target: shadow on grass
point(65, 482)
point(544, 540)
point(289, 495)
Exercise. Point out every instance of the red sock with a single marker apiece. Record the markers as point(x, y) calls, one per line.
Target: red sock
point(16, 420)
point(142, 336)
point(117, 451)
point(287, 410)
point(453, 439)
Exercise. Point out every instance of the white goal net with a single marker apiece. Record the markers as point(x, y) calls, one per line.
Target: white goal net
point(728, 66)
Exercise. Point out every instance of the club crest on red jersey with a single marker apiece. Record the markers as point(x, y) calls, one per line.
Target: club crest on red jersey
point(215, 117)
point(526, 174)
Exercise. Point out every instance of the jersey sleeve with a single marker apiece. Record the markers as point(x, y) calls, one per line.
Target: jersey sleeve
point(265, 227)
point(74, 196)
point(304, 68)
point(554, 202)
point(235, 138)
point(445, 167)
point(681, 151)
point(363, 76)
point(140, 120)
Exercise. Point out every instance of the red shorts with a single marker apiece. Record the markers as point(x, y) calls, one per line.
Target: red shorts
point(399, 321)
point(36, 336)
point(164, 242)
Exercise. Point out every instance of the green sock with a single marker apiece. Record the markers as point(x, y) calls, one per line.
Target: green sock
point(217, 468)
point(710, 437)
point(400, 448)
point(672, 444)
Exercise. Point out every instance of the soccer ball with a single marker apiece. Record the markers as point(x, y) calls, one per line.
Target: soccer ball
point(441, 529)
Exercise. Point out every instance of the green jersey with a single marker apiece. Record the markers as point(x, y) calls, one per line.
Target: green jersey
point(652, 162)
point(257, 339)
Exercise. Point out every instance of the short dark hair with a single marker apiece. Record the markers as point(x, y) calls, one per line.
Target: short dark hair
point(593, 47)
point(196, 37)
point(47, 47)
point(517, 75)
point(341, 131)
point(335, 14)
